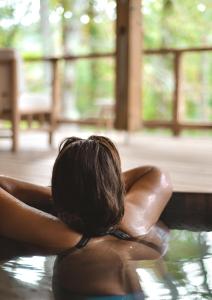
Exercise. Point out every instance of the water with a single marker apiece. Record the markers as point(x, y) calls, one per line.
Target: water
point(184, 273)
point(26, 278)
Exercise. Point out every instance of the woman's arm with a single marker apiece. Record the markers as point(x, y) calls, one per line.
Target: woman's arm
point(21, 222)
point(133, 175)
point(33, 195)
point(148, 191)
point(11, 248)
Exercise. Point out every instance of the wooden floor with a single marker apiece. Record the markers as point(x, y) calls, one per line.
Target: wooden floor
point(188, 160)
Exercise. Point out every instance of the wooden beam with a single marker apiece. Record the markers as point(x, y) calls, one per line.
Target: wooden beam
point(157, 123)
point(14, 100)
point(55, 109)
point(181, 125)
point(86, 121)
point(173, 50)
point(128, 65)
point(70, 57)
point(177, 92)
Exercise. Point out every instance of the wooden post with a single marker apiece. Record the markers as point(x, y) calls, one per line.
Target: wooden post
point(14, 100)
point(128, 65)
point(177, 92)
point(55, 98)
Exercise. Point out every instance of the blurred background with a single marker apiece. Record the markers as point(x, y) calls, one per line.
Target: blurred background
point(59, 28)
point(142, 67)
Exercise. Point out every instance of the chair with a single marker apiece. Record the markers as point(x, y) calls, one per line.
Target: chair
point(106, 113)
point(15, 104)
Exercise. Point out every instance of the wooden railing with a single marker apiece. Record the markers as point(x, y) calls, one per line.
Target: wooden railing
point(54, 62)
point(175, 124)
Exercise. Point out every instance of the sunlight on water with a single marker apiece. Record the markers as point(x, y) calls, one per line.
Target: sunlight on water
point(194, 273)
point(184, 273)
point(153, 289)
point(208, 267)
point(27, 269)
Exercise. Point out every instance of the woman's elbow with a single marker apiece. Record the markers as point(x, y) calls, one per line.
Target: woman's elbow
point(164, 181)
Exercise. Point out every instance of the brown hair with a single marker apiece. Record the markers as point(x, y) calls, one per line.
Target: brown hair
point(87, 186)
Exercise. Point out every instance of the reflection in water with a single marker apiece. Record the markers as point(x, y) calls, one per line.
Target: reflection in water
point(26, 278)
point(184, 273)
point(27, 269)
point(153, 288)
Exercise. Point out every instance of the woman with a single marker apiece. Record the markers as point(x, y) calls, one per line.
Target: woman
point(94, 203)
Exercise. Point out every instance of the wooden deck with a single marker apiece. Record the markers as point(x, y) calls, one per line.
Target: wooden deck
point(188, 160)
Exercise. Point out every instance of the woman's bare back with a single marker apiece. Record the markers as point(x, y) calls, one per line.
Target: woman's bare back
point(104, 266)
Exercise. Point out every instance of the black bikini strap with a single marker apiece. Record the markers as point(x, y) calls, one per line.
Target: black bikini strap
point(119, 234)
point(114, 232)
point(83, 242)
point(124, 236)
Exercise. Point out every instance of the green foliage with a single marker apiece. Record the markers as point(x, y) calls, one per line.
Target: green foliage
point(172, 23)
point(80, 26)
point(7, 15)
point(157, 100)
point(177, 24)
point(88, 93)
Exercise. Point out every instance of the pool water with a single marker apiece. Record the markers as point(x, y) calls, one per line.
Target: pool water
point(184, 273)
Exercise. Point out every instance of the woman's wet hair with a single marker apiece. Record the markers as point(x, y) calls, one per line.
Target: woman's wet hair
point(87, 186)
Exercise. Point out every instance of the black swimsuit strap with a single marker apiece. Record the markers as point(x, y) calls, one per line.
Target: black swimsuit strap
point(114, 232)
point(119, 234)
point(83, 242)
point(124, 236)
